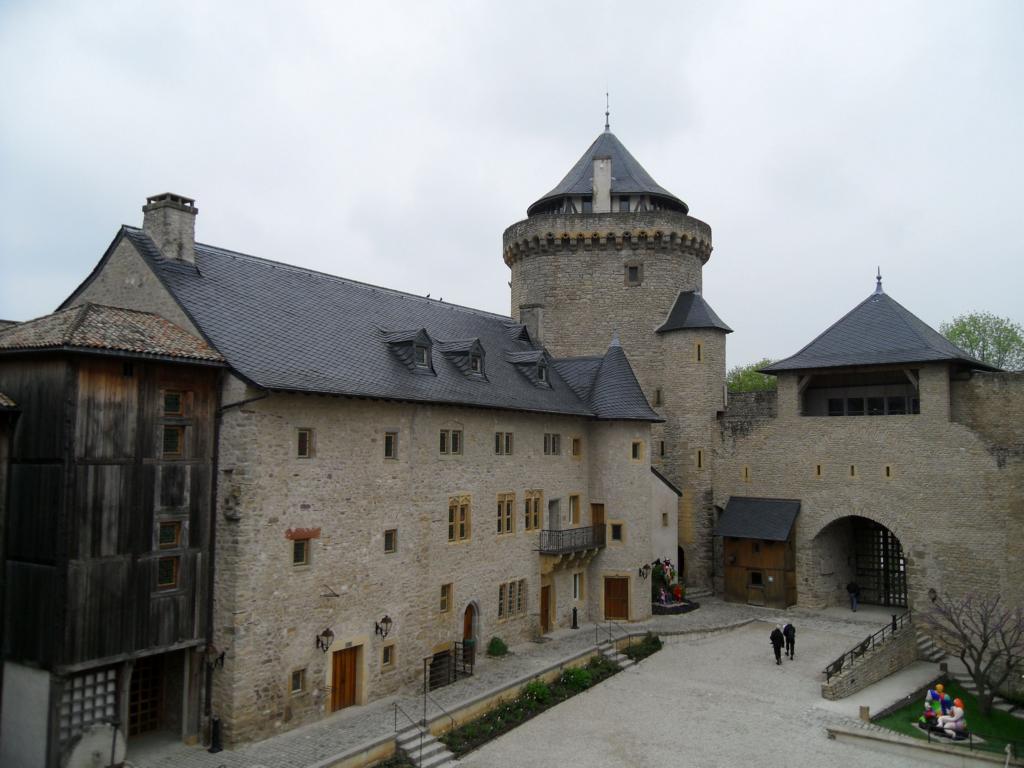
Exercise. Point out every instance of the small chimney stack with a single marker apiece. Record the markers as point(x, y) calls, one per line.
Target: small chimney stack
point(170, 220)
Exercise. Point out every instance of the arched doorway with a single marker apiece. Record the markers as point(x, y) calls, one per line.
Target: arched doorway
point(864, 551)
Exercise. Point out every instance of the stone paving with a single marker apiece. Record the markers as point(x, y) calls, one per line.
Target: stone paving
point(311, 744)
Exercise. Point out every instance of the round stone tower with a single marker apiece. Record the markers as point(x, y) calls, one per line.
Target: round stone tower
point(609, 250)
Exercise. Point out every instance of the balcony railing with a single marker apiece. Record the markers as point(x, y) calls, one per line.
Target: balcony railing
point(571, 540)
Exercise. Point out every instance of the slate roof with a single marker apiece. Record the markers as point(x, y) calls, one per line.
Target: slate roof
point(293, 329)
point(878, 331)
point(746, 517)
point(628, 176)
point(692, 311)
point(667, 482)
point(94, 327)
point(607, 384)
point(6, 404)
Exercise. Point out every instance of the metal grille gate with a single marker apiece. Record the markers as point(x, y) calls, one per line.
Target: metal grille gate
point(881, 570)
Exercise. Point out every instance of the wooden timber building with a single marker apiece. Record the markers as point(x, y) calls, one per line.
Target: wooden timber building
point(758, 550)
point(108, 540)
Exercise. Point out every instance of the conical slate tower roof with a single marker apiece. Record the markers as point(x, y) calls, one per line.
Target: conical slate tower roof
point(628, 176)
point(608, 385)
point(878, 331)
point(691, 311)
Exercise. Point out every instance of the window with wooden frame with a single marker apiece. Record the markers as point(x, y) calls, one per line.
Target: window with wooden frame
point(387, 656)
point(532, 505)
point(503, 443)
point(476, 364)
point(173, 441)
point(167, 572)
point(542, 372)
point(300, 551)
point(174, 403)
point(298, 681)
point(552, 444)
point(506, 513)
point(574, 508)
point(637, 450)
point(521, 597)
point(459, 518)
point(390, 445)
point(304, 443)
point(446, 598)
point(422, 356)
point(390, 541)
point(169, 534)
point(576, 447)
point(450, 442)
point(512, 599)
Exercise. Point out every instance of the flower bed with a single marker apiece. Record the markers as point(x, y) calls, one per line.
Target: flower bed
point(666, 609)
point(534, 697)
point(648, 644)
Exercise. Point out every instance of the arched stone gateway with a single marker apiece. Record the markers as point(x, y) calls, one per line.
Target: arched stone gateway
point(859, 549)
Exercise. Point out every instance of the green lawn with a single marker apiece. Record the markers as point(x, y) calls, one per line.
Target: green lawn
point(997, 729)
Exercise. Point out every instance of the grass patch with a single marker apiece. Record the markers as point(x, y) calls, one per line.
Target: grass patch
point(998, 729)
point(398, 761)
point(534, 698)
point(648, 644)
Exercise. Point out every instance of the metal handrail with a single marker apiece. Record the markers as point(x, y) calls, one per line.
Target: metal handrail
point(609, 626)
point(415, 725)
point(566, 540)
point(868, 644)
point(438, 705)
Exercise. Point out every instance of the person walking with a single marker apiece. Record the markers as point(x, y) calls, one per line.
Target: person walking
point(777, 641)
point(789, 632)
point(854, 590)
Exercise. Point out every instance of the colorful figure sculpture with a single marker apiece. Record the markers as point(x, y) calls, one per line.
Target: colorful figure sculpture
point(932, 708)
point(954, 725)
point(944, 700)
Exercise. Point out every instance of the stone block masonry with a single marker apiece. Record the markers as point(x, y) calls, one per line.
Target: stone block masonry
point(896, 652)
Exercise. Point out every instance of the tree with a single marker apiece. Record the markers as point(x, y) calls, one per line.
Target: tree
point(994, 340)
point(987, 636)
point(745, 378)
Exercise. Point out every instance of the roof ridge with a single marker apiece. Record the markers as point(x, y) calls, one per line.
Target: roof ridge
point(350, 281)
point(83, 311)
point(837, 322)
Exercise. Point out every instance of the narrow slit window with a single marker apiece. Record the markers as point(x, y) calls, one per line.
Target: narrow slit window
point(304, 443)
point(817, 470)
point(390, 445)
point(700, 352)
point(888, 470)
point(446, 598)
point(661, 447)
point(700, 459)
point(657, 396)
point(853, 470)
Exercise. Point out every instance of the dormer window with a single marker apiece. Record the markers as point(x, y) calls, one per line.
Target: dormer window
point(542, 372)
point(422, 356)
point(412, 348)
point(476, 364)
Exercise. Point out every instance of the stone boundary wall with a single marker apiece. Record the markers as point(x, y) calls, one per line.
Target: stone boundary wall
point(752, 406)
point(893, 655)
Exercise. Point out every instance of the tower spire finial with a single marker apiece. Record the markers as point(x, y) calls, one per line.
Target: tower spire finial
point(878, 281)
point(607, 112)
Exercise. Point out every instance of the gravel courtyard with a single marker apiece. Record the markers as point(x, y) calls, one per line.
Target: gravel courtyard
point(713, 700)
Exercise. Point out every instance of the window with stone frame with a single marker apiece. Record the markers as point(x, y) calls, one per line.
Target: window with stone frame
point(446, 598)
point(574, 509)
point(503, 443)
point(637, 450)
point(390, 541)
point(512, 599)
point(506, 513)
point(459, 518)
point(576, 447)
point(577, 586)
point(300, 551)
point(390, 445)
point(387, 656)
point(298, 681)
point(532, 505)
point(501, 600)
point(633, 273)
point(552, 444)
point(450, 442)
point(304, 443)
point(618, 532)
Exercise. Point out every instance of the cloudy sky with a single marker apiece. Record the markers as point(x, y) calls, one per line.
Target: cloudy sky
point(393, 142)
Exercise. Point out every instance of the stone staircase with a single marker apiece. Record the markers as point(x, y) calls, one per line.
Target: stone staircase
point(965, 681)
point(610, 652)
point(433, 755)
point(927, 650)
point(698, 593)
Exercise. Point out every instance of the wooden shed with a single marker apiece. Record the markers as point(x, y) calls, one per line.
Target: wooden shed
point(758, 549)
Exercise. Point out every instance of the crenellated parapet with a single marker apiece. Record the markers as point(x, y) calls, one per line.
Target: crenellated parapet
point(654, 230)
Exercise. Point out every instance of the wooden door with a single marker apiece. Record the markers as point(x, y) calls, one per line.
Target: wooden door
point(343, 679)
point(597, 514)
point(145, 697)
point(468, 640)
point(616, 598)
point(545, 608)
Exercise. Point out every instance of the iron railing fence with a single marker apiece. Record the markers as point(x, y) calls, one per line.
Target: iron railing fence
point(867, 645)
point(569, 540)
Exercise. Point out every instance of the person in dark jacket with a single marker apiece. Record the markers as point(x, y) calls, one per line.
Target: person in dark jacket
point(777, 640)
point(789, 632)
point(854, 589)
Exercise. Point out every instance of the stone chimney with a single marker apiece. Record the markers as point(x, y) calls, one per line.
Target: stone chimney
point(171, 221)
point(602, 184)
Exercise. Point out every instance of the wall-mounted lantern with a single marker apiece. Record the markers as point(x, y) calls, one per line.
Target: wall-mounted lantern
point(214, 658)
point(644, 571)
point(383, 627)
point(324, 640)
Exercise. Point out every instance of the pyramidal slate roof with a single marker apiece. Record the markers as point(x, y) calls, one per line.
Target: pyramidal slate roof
point(628, 176)
point(692, 311)
point(607, 384)
point(878, 331)
point(287, 328)
point(95, 327)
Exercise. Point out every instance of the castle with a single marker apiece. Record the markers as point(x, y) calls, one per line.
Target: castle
point(246, 490)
